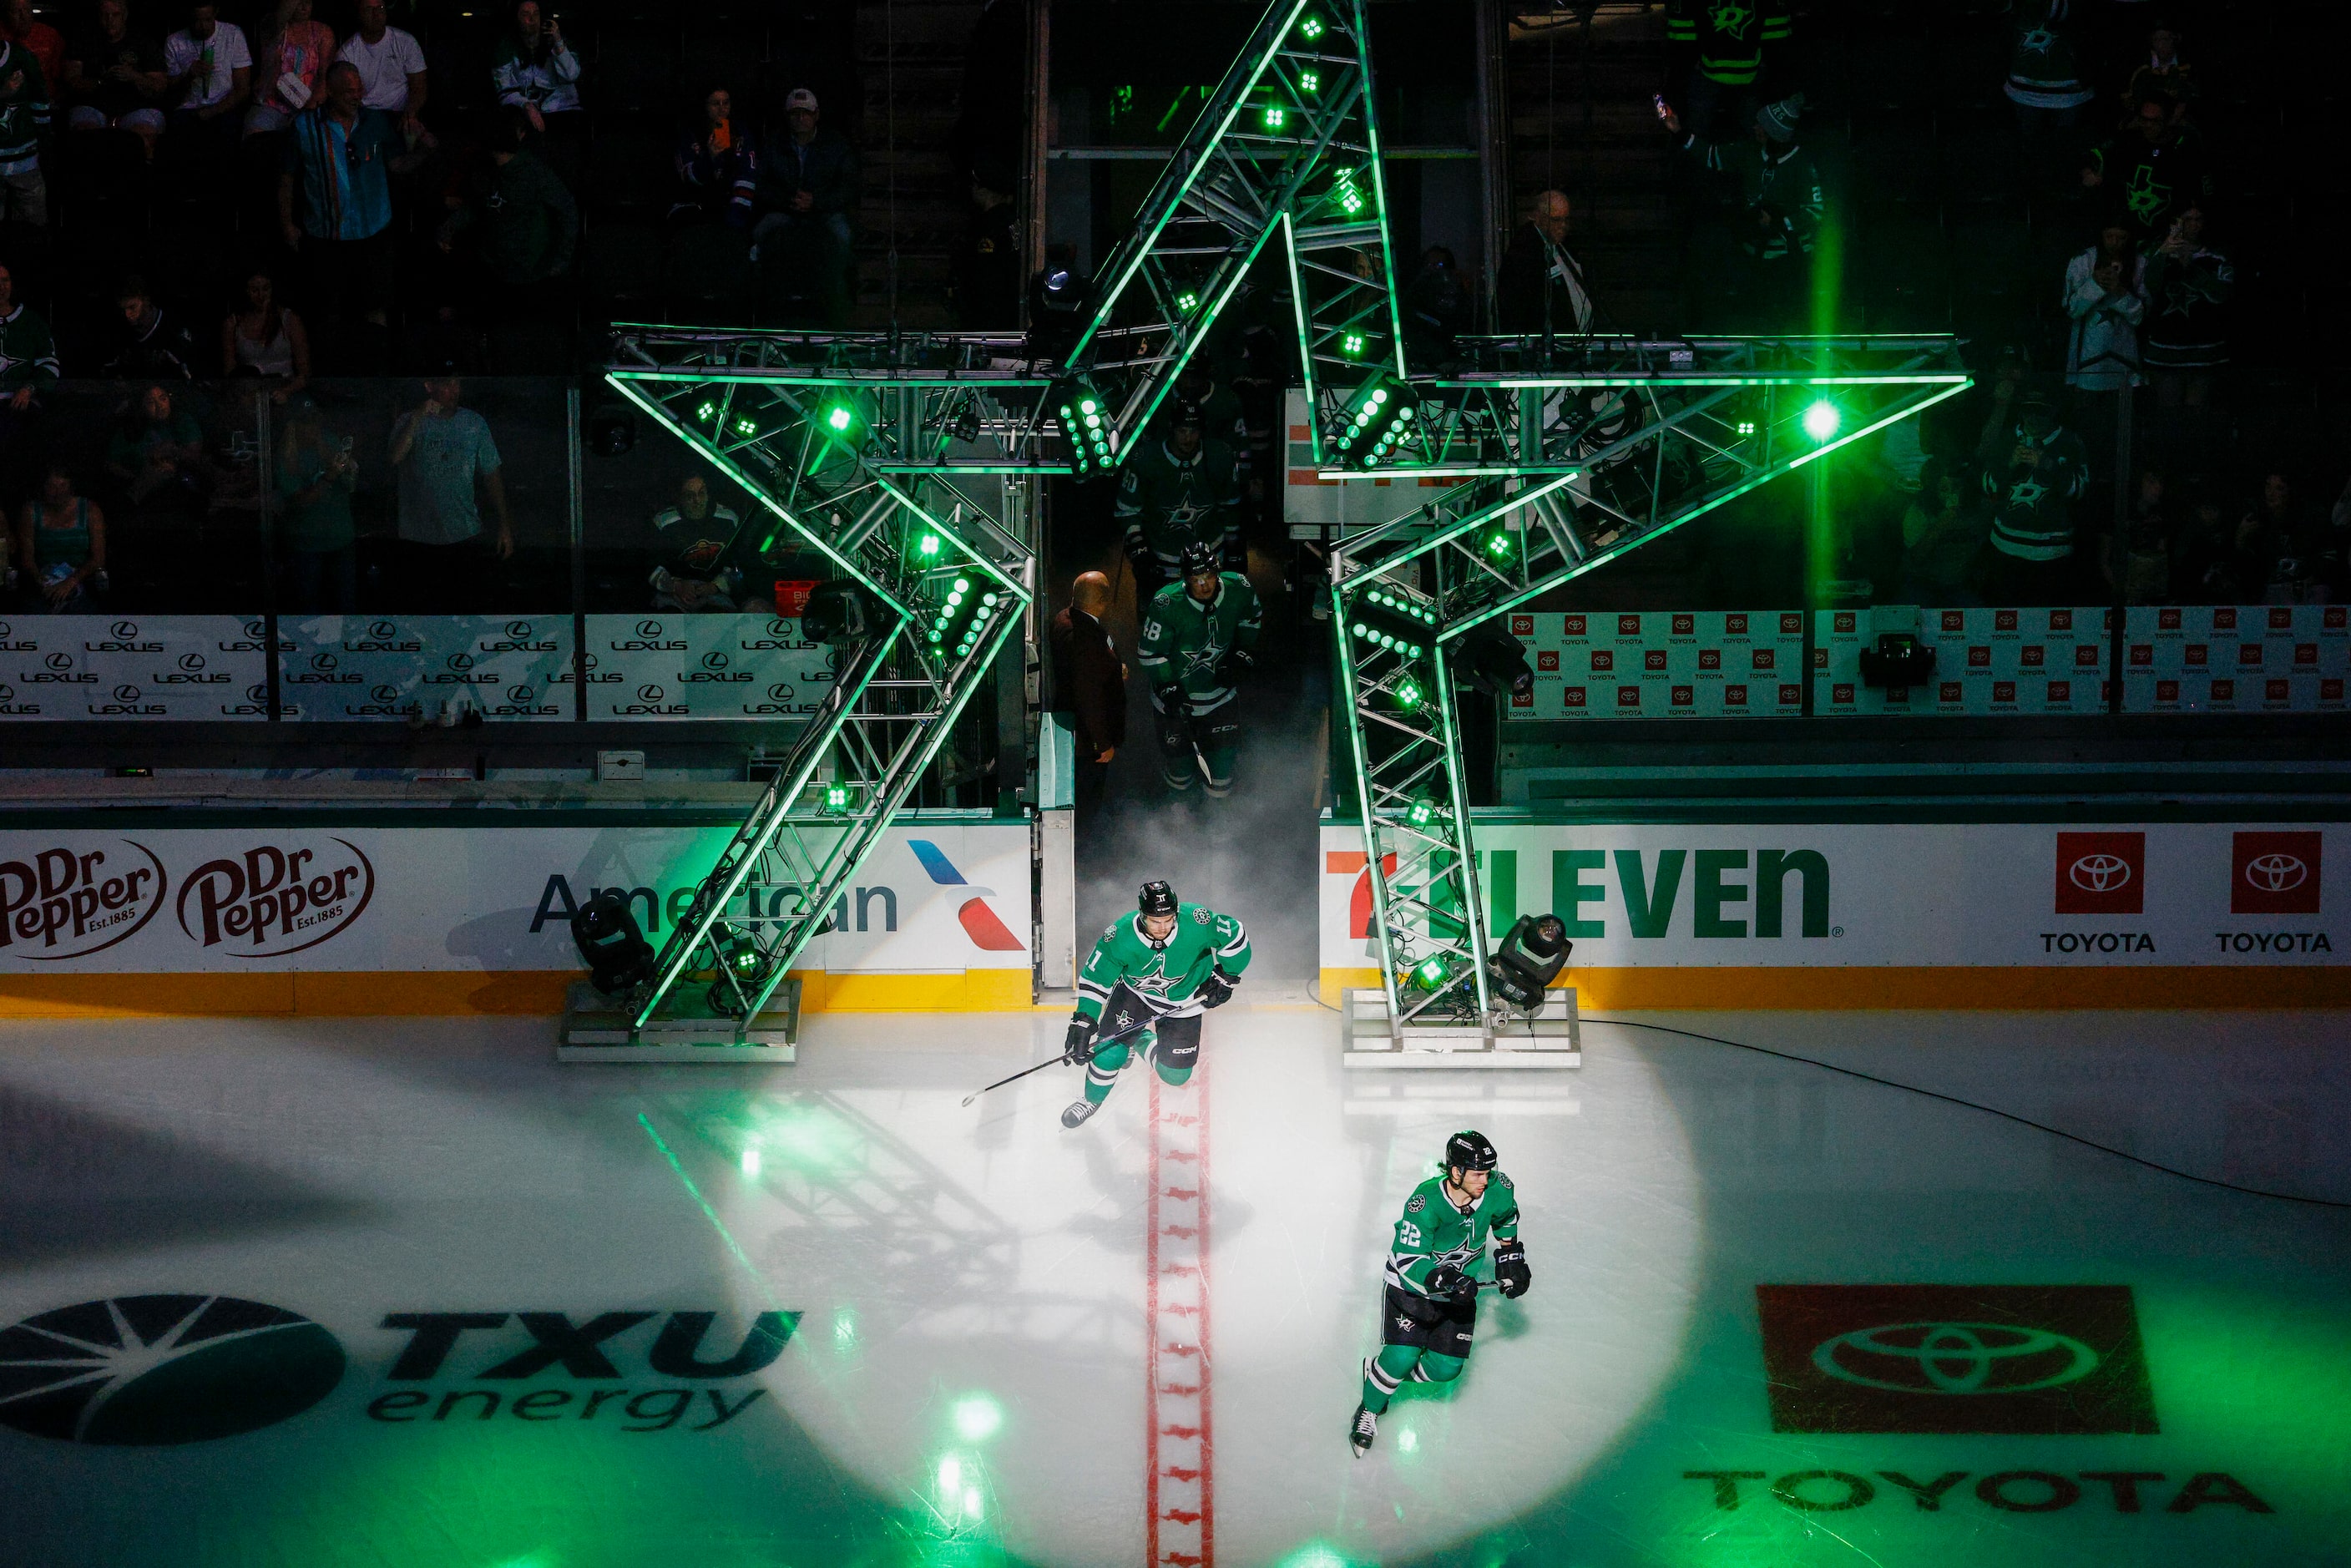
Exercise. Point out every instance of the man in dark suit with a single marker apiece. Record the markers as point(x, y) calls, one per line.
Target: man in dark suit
point(1089, 685)
point(1541, 291)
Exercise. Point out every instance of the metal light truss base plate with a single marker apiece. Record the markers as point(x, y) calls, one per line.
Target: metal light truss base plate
point(1553, 1037)
point(596, 1029)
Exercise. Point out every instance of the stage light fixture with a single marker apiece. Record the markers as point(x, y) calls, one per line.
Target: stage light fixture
point(1430, 972)
point(843, 420)
point(1387, 622)
point(1187, 302)
point(1310, 82)
point(1275, 116)
point(1421, 812)
point(1085, 420)
point(611, 944)
point(1746, 427)
point(1499, 543)
point(611, 430)
point(747, 428)
point(836, 799)
point(960, 620)
point(838, 613)
point(1376, 422)
point(1344, 191)
point(1310, 27)
point(1822, 420)
point(1528, 960)
point(1494, 662)
point(927, 546)
point(1407, 692)
point(705, 414)
point(1352, 345)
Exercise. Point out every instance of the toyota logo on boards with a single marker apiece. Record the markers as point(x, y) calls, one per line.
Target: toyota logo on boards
point(2274, 873)
point(2101, 873)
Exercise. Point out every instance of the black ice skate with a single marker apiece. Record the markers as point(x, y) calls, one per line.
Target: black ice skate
point(1365, 1427)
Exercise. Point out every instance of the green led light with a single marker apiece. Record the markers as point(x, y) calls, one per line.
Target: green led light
point(840, 418)
point(1309, 81)
point(1431, 971)
point(1746, 427)
point(1311, 27)
point(1407, 692)
point(987, 598)
point(746, 427)
point(928, 545)
point(1421, 814)
point(1089, 406)
point(707, 411)
point(978, 1417)
point(1187, 303)
point(1821, 420)
point(1352, 345)
point(963, 585)
point(1274, 116)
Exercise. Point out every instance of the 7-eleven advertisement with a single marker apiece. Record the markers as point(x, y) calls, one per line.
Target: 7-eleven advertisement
point(1817, 914)
point(936, 904)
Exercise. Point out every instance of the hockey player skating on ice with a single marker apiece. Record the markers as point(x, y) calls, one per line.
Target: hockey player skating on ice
point(1430, 1307)
point(1198, 638)
point(1146, 985)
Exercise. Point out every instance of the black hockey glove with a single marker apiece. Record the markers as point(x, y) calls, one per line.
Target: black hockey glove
point(1216, 989)
point(1145, 567)
point(1079, 1045)
point(1175, 717)
point(1510, 1269)
point(1447, 1282)
point(1239, 662)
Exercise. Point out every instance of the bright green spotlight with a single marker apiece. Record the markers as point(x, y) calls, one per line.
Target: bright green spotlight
point(1275, 116)
point(1311, 27)
point(1310, 82)
point(708, 411)
point(978, 1417)
point(1423, 812)
point(1187, 303)
point(1746, 427)
point(751, 1162)
point(1352, 345)
point(836, 799)
point(747, 428)
point(838, 418)
point(927, 546)
point(1821, 420)
point(1407, 692)
point(1431, 971)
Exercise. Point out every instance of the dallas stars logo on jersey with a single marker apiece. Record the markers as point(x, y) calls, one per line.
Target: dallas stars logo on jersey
point(2146, 194)
point(2026, 494)
point(1731, 19)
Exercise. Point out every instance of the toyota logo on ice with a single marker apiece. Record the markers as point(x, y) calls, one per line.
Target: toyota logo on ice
point(2099, 873)
point(2276, 873)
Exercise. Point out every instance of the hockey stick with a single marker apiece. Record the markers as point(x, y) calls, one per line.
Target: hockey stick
point(1094, 1051)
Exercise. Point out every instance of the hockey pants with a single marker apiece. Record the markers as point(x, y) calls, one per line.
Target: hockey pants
point(1217, 736)
point(1174, 1048)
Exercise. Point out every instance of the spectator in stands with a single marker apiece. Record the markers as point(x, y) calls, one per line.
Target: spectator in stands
point(2296, 554)
point(2216, 561)
point(1541, 288)
point(1778, 192)
point(157, 456)
point(149, 346)
point(24, 128)
point(2034, 470)
point(536, 70)
point(1436, 308)
point(1726, 48)
point(338, 161)
point(717, 166)
point(28, 368)
point(390, 66)
point(695, 562)
point(2140, 569)
point(2106, 297)
point(316, 477)
point(2044, 74)
point(984, 281)
point(1942, 537)
point(2150, 171)
point(442, 451)
point(290, 67)
point(60, 546)
point(262, 338)
point(18, 26)
point(210, 67)
point(115, 77)
point(525, 225)
point(807, 184)
point(2161, 73)
point(1089, 685)
point(2186, 331)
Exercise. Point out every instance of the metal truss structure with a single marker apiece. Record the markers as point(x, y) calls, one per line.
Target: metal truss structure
point(1287, 143)
point(910, 462)
point(1570, 468)
point(906, 480)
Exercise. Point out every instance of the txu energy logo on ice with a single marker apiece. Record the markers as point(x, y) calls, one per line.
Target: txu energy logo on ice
point(143, 1371)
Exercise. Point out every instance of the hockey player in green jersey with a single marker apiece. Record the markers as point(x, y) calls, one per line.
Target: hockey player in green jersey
point(1179, 491)
point(1144, 987)
point(1430, 1309)
point(1198, 638)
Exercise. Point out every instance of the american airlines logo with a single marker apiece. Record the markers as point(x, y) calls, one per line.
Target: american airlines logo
point(981, 922)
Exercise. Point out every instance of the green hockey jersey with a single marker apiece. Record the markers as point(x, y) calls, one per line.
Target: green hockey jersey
point(1432, 1231)
point(1166, 502)
point(1728, 35)
point(1169, 974)
point(1183, 641)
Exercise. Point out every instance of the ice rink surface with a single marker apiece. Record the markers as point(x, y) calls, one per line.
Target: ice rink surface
point(511, 1313)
